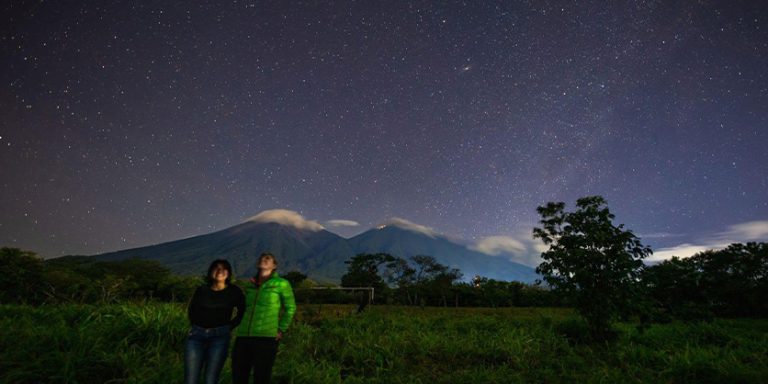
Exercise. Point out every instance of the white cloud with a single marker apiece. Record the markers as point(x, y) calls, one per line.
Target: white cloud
point(737, 233)
point(411, 226)
point(682, 250)
point(496, 245)
point(522, 248)
point(540, 247)
point(342, 223)
point(286, 217)
point(753, 230)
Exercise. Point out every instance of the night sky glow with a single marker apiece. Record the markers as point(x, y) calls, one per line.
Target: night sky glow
point(127, 124)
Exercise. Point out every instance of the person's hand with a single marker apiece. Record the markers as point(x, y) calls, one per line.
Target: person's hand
point(279, 335)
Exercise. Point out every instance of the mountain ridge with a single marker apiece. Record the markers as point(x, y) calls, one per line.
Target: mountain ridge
point(317, 252)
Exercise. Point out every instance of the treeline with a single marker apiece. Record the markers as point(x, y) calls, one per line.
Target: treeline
point(26, 278)
point(732, 282)
point(421, 280)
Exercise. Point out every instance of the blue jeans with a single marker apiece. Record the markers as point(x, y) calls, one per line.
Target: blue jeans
point(205, 347)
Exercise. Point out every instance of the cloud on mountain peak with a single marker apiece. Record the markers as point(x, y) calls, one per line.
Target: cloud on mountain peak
point(286, 217)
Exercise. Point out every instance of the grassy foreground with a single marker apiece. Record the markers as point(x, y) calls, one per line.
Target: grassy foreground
point(143, 343)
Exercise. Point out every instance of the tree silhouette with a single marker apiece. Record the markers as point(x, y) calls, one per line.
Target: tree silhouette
point(592, 260)
point(726, 282)
point(20, 276)
point(365, 270)
point(295, 278)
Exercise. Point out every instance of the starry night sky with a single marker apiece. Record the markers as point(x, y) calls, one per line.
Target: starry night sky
point(132, 123)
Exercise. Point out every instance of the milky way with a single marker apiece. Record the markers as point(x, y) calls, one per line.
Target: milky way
point(137, 123)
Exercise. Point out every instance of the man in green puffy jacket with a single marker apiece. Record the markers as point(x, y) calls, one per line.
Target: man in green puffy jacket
point(262, 326)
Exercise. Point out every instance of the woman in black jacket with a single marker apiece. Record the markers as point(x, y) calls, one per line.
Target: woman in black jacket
point(215, 309)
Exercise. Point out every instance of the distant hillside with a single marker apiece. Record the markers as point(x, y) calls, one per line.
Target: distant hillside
point(318, 253)
point(321, 253)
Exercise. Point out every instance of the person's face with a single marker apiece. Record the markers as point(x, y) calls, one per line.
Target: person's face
point(267, 264)
point(219, 273)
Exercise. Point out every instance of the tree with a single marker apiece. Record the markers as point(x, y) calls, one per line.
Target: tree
point(674, 286)
point(401, 275)
point(427, 268)
point(131, 278)
point(728, 282)
point(735, 279)
point(592, 260)
point(364, 270)
point(442, 283)
point(21, 273)
point(295, 278)
point(496, 293)
point(432, 279)
point(69, 279)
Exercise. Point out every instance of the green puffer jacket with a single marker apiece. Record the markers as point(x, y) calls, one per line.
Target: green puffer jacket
point(262, 308)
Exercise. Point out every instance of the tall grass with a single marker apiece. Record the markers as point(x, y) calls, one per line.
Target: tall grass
point(407, 345)
point(143, 343)
point(127, 343)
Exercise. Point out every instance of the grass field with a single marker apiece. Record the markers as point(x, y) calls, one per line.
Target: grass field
point(137, 343)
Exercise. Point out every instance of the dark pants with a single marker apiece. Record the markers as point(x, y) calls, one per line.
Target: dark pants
point(257, 353)
point(206, 347)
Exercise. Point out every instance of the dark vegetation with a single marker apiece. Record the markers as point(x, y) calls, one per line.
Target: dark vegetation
point(731, 282)
point(26, 278)
point(143, 343)
point(593, 261)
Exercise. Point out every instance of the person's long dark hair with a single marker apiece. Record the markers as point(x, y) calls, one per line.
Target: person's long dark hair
point(209, 279)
